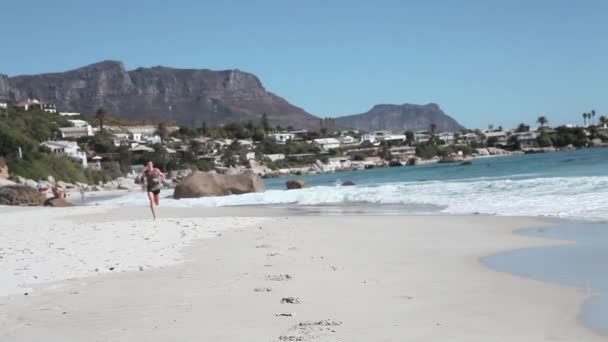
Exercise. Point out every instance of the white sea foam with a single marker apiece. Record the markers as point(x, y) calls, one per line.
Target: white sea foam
point(572, 197)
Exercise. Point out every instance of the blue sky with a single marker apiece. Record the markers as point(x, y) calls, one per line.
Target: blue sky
point(500, 62)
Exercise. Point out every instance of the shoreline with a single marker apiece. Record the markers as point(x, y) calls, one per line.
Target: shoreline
point(573, 236)
point(417, 276)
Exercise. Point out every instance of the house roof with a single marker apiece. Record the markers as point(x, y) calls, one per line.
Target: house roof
point(141, 148)
point(495, 134)
point(327, 141)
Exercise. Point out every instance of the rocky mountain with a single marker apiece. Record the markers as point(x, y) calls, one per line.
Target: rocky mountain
point(400, 118)
point(187, 96)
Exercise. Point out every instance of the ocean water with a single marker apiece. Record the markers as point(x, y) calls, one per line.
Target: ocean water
point(569, 184)
point(583, 264)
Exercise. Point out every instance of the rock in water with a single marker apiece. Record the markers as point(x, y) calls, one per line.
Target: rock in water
point(57, 202)
point(20, 195)
point(204, 184)
point(295, 184)
point(348, 183)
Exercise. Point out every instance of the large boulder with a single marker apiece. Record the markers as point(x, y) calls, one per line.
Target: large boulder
point(57, 202)
point(453, 158)
point(4, 182)
point(204, 184)
point(295, 184)
point(20, 195)
point(258, 169)
point(125, 183)
point(483, 152)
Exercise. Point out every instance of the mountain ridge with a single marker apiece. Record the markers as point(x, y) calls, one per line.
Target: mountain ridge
point(403, 117)
point(188, 96)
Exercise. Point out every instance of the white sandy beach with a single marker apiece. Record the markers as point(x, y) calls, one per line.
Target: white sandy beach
point(220, 275)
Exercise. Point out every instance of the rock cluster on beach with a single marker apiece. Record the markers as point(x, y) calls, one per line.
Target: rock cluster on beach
point(203, 184)
point(21, 195)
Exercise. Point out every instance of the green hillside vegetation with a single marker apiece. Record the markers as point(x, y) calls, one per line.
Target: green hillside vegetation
point(26, 130)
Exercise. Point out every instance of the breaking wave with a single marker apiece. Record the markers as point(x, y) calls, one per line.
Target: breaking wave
point(567, 197)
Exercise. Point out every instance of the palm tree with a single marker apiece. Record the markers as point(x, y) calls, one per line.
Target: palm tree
point(592, 115)
point(603, 120)
point(585, 119)
point(523, 128)
point(433, 128)
point(162, 131)
point(100, 116)
point(542, 121)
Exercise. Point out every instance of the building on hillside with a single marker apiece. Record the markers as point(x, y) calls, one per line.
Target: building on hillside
point(498, 138)
point(340, 163)
point(120, 139)
point(299, 135)
point(347, 140)
point(247, 155)
point(78, 123)
point(281, 138)
point(69, 148)
point(326, 143)
point(245, 143)
point(526, 138)
point(368, 138)
point(76, 132)
point(141, 149)
point(275, 157)
point(446, 137)
point(36, 104)
point(3, 105)
point(69, 114)
point(393, 138)
point(471, 138)
point(420, 138)
point(403, 151)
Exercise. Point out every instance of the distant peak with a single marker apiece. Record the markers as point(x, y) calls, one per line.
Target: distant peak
point(107, 62)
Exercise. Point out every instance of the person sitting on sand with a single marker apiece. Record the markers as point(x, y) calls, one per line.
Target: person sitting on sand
point(151, 180)
point(58, 192)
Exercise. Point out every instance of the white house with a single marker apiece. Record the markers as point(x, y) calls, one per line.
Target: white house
point(347, 139)
point(447, 137)
point(281, 138)
point(499, 137)
point(76, 132)
point(141, 149)
point(299, 134)
point(275, 157)
point(421, 137)
point(526, 138)
point(393, 138)
point(69, 114)
point(245, 143)
point(78, 123)
point(69, 148)
point(120, 139)
point(368, 137)
point(471, 138)
point(326, 143)
point(32, 104)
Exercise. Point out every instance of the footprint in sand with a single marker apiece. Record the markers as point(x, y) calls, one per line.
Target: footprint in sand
point(291, 300)
point(263, 246)
point(310, 330)
point(279, 277)
point(262, 289)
